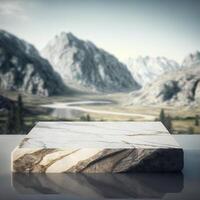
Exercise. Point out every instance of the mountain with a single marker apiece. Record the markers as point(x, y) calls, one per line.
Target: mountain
point(146, 69)
point(192, 59)
point(82, 64)
point(23, 69)
point(176, 88)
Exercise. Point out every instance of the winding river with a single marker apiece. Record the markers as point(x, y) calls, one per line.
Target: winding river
point(75, 109)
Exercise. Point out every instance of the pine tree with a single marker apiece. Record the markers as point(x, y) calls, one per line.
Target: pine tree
point(168, 123)
point(10, 122)
point(166, 120)
point(15, 121)
point(85, 118)
point(19, 115)
point(190, 130)
point(196, 120)
point(88, 117)
point(162, 116)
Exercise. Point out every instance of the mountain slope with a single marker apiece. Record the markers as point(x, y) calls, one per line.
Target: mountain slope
point(23, 69)
point(180, 88)
point(192, 59)
point(147, 69)
point(82, 64)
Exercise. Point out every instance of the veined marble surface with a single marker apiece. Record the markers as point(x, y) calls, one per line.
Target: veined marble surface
point(97, 147)
point(99, 135)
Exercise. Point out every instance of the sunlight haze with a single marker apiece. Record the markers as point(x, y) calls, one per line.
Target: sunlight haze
point(124, 28)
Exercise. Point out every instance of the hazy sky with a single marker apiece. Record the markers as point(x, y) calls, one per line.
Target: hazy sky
point(125, 28)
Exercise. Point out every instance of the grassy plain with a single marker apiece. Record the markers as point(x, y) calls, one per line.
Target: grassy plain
point(183, 118)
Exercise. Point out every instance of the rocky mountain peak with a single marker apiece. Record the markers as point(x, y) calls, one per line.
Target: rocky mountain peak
point(180, 88)
point(192, 59)
point(82, 64)
point(22, 68)
point(146, 69)
point(10, 39)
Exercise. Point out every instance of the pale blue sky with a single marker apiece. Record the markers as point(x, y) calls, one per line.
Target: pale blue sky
point(125, 28)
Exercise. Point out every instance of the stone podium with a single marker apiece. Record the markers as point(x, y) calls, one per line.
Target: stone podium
point(97, 147)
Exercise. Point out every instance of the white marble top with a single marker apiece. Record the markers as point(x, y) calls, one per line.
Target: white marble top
point(99, 135)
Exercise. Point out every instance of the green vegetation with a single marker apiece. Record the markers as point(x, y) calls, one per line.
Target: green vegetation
point(19, 115)
point(166, 120)
point(15, 118)
point(196, 120)
point(26, 112)
point(85, 118)
point(10, 122)
point(190, 130)
point(162, 116)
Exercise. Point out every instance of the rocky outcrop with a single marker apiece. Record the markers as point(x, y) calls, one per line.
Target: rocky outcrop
point(178, 88)
point(82, 64)
point(192, 59)
point(23, 69)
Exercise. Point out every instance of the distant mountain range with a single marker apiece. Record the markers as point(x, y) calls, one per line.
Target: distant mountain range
point(192, 59)
point(81, 64)
point(70, 62)
point(23, 69)
point(180, 87)
point(146, 69)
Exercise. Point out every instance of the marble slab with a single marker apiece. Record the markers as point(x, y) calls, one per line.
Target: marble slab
point(97, 147)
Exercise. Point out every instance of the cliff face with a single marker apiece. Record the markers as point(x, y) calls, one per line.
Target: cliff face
point(192, 59)
point(180, 88)
point(23, 69)
point(82, 64)
point(147, 69)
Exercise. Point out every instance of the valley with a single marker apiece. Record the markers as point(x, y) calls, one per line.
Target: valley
point(100, 107)
point(74, 80)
